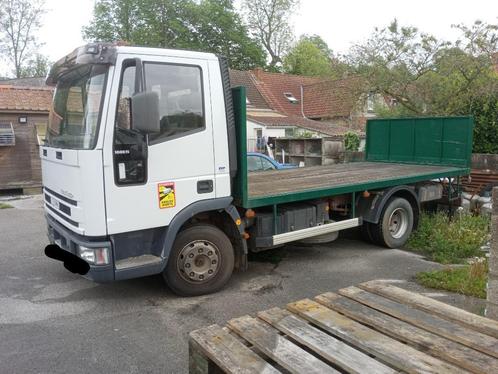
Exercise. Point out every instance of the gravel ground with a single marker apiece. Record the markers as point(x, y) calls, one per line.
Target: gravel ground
point(52, 321)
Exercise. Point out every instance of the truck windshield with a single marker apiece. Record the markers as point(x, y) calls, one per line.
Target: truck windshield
point(75, 112)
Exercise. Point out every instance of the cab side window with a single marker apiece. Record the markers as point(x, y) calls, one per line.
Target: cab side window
point(181, 102)
point(130, 160)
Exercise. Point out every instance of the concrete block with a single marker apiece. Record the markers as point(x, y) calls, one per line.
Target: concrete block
point(491, 311)
point(32, 191)
point(492, 290)
point(493, 265)
point(495, 200)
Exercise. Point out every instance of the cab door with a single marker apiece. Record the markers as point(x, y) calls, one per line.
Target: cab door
point(150, 178)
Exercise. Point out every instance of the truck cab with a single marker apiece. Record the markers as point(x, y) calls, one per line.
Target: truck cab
point(136, 137)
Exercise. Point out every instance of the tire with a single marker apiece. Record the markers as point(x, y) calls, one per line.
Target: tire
point(201, 261)
point(366, 232)
point(395, 223)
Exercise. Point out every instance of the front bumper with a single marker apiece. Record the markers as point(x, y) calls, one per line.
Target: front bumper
point(68, 241)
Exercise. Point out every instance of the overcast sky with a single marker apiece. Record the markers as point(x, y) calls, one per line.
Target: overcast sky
point(339, 23)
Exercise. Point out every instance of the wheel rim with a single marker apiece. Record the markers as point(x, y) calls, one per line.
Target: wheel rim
point(398, 223)
point(198, 261)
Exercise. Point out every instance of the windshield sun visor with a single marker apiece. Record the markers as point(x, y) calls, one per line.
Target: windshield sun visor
point(94, 53)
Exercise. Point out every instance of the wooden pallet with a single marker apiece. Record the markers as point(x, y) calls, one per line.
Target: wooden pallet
point(373, 328)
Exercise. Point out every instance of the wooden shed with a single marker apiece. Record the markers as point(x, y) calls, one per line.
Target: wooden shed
point(23, 120)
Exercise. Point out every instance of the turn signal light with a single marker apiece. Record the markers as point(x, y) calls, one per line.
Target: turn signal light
point(94, 256)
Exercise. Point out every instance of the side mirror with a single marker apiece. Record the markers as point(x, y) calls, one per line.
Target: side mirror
point(145, 112)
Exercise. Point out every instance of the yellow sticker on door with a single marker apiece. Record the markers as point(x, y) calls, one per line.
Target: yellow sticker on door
point(166, 193)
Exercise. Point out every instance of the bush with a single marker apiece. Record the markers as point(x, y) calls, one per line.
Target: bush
point(351, 141)
point(448, 240)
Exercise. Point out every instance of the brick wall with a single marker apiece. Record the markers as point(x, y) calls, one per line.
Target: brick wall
point(20, 165)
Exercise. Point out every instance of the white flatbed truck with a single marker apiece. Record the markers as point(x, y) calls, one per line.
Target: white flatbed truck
point(145, 172)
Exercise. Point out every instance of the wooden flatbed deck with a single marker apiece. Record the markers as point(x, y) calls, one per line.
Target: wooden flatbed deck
point(333, 177)
point(372, 328)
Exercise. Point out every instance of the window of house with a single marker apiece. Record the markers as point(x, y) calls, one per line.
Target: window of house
point(289, 133)
point(7, 135)
point(181, 108)
point(291, 98)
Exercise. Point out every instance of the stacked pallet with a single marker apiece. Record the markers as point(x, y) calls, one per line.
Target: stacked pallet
point(478, 180)
point(373, 328)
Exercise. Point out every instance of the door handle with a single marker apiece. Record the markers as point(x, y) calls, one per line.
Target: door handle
point(205, 186)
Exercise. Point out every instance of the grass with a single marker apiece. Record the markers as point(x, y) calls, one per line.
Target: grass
point(468, 280)
point(450, 240)
point(453, 241)
point(5, 206)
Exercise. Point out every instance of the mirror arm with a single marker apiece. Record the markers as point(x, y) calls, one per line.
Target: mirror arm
point(139, 76)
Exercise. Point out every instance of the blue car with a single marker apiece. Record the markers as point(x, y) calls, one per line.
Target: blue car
point(259, 162)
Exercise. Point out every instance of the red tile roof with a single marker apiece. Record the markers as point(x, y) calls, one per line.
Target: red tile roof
point(247, 79)
point(29, 99)
point(273, 86)
point(332, 98)
point(317, 126)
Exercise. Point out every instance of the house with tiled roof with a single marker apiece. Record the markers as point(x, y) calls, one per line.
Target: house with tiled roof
point(285, 105)
point(343, 102)
point(23, 119)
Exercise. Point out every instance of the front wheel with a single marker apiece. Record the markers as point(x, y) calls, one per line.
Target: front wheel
point(395, 224)
point(201, 261)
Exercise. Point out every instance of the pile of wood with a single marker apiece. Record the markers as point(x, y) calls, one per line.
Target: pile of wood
point(373, 328)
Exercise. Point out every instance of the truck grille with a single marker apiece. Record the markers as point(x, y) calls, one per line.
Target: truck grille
point(68, 220)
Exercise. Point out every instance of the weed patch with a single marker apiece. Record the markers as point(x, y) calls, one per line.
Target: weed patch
point(450, 240)
point(468, 280)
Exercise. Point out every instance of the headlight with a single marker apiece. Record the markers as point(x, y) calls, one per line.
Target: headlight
point(96, 256)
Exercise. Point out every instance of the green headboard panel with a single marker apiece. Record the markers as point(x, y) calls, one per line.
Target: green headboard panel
point(435, 140)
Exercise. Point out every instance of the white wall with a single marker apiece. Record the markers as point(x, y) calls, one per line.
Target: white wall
point(266, 132)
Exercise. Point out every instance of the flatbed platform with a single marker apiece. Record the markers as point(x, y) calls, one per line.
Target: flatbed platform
point(288, 185)
point(373, 328)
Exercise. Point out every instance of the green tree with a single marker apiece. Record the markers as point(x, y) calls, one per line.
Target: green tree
point(208, 25)
point(269, 21)
point(19, 22)
point(115, 20)
point(38, 66)
point(310, 56)
point(219, 29)
point(427, 76)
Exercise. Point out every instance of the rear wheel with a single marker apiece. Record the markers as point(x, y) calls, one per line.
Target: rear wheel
point(201, 261)
point(395, 224)
point(366, 232)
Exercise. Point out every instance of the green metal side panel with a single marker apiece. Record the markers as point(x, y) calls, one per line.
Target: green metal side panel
point(240, 182)
point(433, 141)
